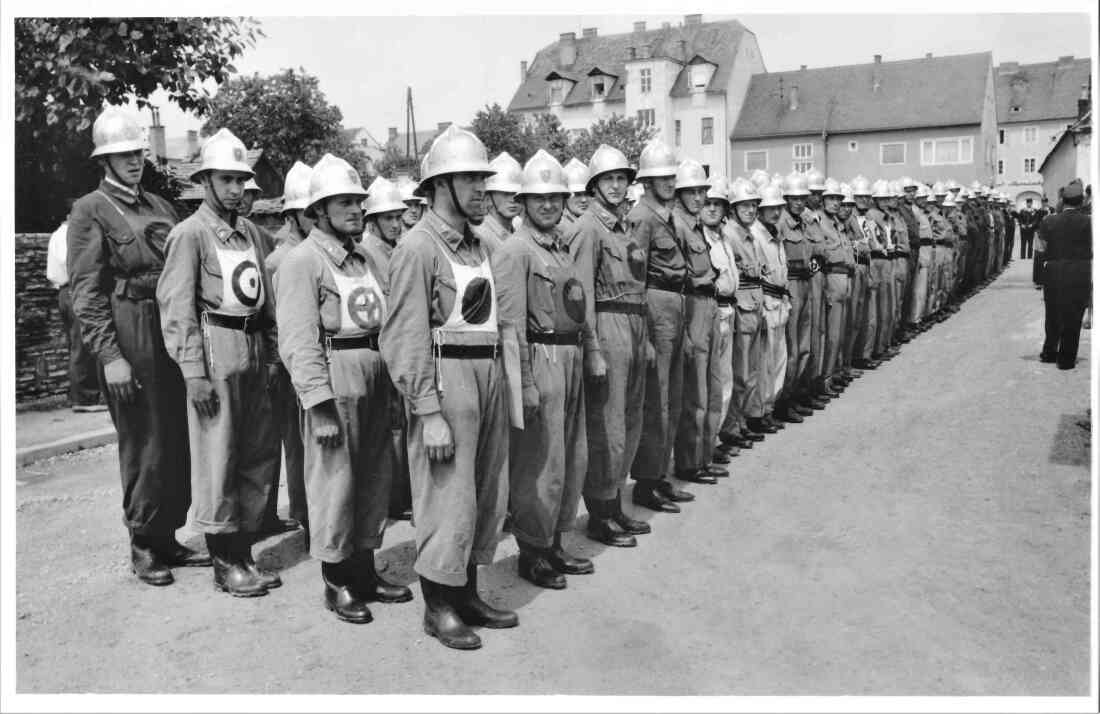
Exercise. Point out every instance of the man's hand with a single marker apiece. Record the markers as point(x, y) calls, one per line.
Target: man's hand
point(438, 440)
point(326, 424)
point(121, 384)
point(531, 401)
point(595, 367)
point(650, 353)
point(202, 395)
point(273, 376)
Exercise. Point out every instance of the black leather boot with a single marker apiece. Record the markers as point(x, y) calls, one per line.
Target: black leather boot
point(565, 562)
point(146, 563)
point(666, 490)
point(631, 526)
point(603, 529)
point(646, 495)
point(244, 544)
point(230, 574)
point(440, 619)
point(176, 555)
point(340, 597)
point(534, 567)
point(475, 611)
point(697, 476)
point(760, 426)
point(369, 585)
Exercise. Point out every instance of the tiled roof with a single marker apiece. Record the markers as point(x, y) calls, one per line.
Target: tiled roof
point(927, 92)
point(716, 41)
point(1043, 91)
point(194, 192)
point(423, 139)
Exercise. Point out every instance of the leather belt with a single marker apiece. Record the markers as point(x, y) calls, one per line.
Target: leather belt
point(245, 323)
point(774, 290)
point(705, 290)
point(927, 241)
point(798, 273)
point(136, 287)
point(863, 259)
point(625, 308)
point(879, 254)
point(668, 287)
point(361, 342)
point(899, 254)
point(944, 242)
point(837, 268)
point(554, 338)
point(467, 351)
point(726, 300)
point(746, 281)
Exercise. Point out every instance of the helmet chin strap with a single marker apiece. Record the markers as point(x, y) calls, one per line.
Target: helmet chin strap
point(457, 206)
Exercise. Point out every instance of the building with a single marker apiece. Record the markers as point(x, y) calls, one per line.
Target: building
point(931, 118)
point(1035, 103)
point(365, 143)
point(687, 81)
point(1070, 155)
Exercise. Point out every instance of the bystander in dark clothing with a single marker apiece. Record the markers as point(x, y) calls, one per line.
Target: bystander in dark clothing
point(1067, 277)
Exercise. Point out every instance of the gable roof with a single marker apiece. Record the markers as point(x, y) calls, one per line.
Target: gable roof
point(718, 42)
point(1042, 91)
point(423, 140)
point(195, 192)
point(926, 92)
point(1082, 125)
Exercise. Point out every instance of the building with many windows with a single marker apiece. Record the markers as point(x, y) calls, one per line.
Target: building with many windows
point(688, 81)
point(930, 118)
point(1035, 103)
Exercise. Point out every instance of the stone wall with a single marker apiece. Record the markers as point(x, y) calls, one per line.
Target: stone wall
point(41, 352)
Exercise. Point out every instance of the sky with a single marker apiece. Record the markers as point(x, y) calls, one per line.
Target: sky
point(456, 65)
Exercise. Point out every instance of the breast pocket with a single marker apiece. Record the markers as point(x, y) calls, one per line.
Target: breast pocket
point(540, 296)
point(666, 248)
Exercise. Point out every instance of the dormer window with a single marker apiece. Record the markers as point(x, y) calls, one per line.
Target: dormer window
point(700, 72)
point(558, 88)
point(599, 83)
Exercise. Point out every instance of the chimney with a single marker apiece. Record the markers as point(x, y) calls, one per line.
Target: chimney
point(1008, 68)
point(876, 78)
point(442, 126)
point(682, 45)
point(928, 55)
point(643, 52)
point(567, 49)
point(588, 32)
point(1083, 102)
point(693, 20)
point(1064, 61)
point(523, 70)
point(192, 143)
point(802, 68)
point(639, 26)
point(878, 59)
point(794, 97)
point(157, 143)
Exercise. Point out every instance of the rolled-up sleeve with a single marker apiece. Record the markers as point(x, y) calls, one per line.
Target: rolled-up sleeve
point(510, 265)
point(406, 340)
point(176, 294)
point(87, 263)
point(298, 314)
point(584, 242)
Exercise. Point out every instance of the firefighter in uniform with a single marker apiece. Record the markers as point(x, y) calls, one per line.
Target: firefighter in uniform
point(441, 344)
point(651, 225)
point(924, 280)
point(414, 205)
point(838, 266)
point(777, 305)
point(877, 264)
point(901, 216)
point(795, 401)
point(813, 218)
point(576, 177)
point(544, 300)
point(116, 240)
point(330, 309)
point(692, 452)
point(500, 200)
point(857, 305)
point(620, 344)
point(219, 325)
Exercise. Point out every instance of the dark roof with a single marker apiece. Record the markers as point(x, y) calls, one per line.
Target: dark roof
point(927, 92)
point(1043, 91)
point(716, 41)
point(423, 140)
point(1083, 125)
point(183, 170)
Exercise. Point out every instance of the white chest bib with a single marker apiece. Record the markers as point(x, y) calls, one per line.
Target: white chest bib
point(362, 304)
point(242, 284)
point(467, 280)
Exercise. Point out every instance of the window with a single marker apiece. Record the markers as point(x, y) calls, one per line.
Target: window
point(647, 117)
point(557, 91)
point(891, 154)
point(677, 130)
point(1000, 168)
point(802, 166)
point(708, 130)
point(953, 150)
point(599, 87)
point(1000, 136)
point(803, 157)
point(700, 75)
point(1029, 166)
point(756, 160)
point(646, 76)
point(853, 146)
point(1031, 134)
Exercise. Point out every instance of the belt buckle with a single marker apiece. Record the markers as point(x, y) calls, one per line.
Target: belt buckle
point(246, 320)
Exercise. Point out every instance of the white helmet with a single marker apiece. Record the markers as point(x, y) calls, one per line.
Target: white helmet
point(847, 197)
point(861, 186)
point(719, 189)
point(333, 176)
point(831, 187)
point(795, 185)
point(815, 180)
point(296, 187)
point(691, 174)
point(383, 196)
point(634, 192)
point(605, 160)
point(407, 187)
point(508, 174)
point(744, 191)
point(576, 176)
point(939, 189)
point(948, 202)
point(759, 178)
point(656, 160)
point(895, 189)
point(455, 151)
point(881, 189)
point(771, 196)
point(542, 176)
point(251, 185)
point(223, 152)
point(908, 182)
point(923, 191)
point(116, 132)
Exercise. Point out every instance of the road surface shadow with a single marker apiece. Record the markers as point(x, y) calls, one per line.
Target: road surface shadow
point(281, 552)
point(1071, 445)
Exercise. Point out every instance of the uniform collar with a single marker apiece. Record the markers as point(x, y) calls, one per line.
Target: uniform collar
point(550, 240)
point(692, 222)
point(791, 220)
point(117, 190)
point(215, 223)
point(444, 230)
point(655, 208)
point(501, 226)
point(610, 220)
point(333, 246)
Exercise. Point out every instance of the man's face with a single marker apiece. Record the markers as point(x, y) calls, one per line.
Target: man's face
point(745, 212)
point(910, 194)
point(247, 200)
point(127, 168)
point(863, 203)
point(795, 204)
point(1029, 203)
point(814, 199)
point(663, 187)
point(388, 225)
point(504, 203)
point(770, 215)
point(469, 189)
point(714, 210)
point(343, 213)
point(302, 221)
point(227, 187)
point(922, 201)
point(544, 212)
point(831, 204)
point(577, 203)
point(612, 186)
point(413, 211)
point(692, 199)
point(844, 211)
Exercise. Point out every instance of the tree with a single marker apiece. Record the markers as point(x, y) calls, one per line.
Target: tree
point(287, 115)
point(501, 131)
point(628, 135)
point(66, 69)
point(547, 133)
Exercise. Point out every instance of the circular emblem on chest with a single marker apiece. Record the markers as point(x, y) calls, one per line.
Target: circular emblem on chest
point(573, 299)
point(156, 232)
point(477, 301)
point(246, 283)
point(635, 257)
point(364, 308)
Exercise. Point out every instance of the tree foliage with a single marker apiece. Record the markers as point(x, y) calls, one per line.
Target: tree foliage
point(67, 69)
point(500, 131)
point(626, 134)
point(546, 132)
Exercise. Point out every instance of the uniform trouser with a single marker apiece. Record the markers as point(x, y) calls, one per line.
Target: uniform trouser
point(945, 260)
point(838, 296)
point(348, 486)
point(981, 256)
point(958, 277)
point(773, 350)
point(747, 366)
point(459, 505)
point(400, 489)
point(691, 450)
point(922, 282)
point(1010, 241)
point(906, 307)
point(1067, 291)
point(720, 377)
point(614, 412)
point(83, 377)
point(901, 289)
point(883, 269)
point(815, 367)
point(663, 385)
point(1027, 242)
point(856, 315)
point(235, 453)
point(1037, 267)
point(153, 455)
point(288, 421)
point(798, 335)
point(868, 318)
point(549, 456)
